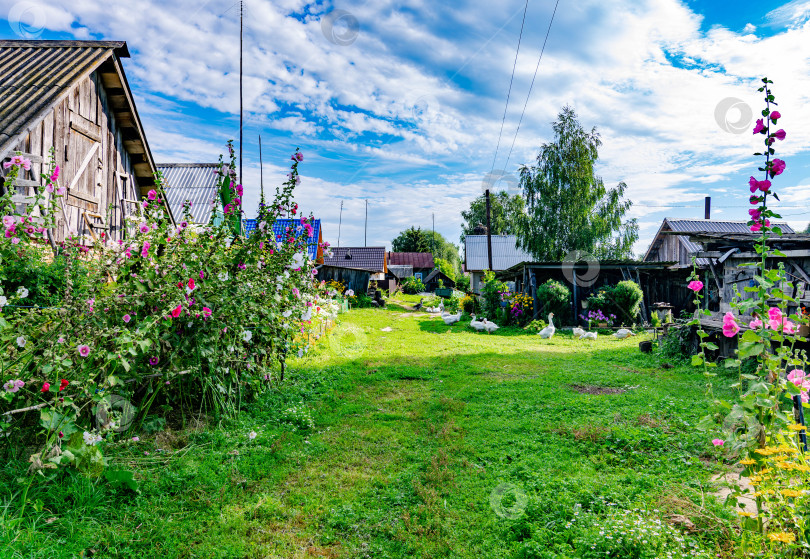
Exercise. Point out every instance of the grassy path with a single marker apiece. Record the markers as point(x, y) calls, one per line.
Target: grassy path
point(429, 441)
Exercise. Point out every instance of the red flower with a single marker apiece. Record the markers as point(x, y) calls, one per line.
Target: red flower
point(176, 312)
point(45, 387)
point(180, 285)
point(191, 285)
point(63, 384)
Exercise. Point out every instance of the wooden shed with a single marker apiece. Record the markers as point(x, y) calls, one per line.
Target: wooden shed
point(74, 96)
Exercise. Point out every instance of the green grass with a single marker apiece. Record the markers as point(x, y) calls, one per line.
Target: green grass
point(414, 430)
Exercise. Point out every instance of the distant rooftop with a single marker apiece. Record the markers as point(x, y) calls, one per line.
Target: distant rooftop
point(505, 252)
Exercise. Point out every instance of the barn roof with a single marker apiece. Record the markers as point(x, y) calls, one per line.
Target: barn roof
point(37, 75)
point(372, 259)
point(414, 259)
point(505, 252)
point(193, 182)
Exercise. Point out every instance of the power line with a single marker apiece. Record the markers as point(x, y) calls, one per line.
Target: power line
point(511, 79)
point(526, 104)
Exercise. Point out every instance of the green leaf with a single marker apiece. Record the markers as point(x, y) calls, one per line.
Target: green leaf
point(122, 478)
point(712, 346)
point(697, 361)
point(748, 349)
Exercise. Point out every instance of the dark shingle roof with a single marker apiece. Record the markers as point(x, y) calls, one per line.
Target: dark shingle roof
point(361, 258)
point(195, 182)
point(415, 259)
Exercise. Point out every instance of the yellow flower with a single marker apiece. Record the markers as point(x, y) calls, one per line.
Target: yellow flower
point(744, 513)
point(748, 462)
point(785, 537)
point(801, 467)
point(784, 465)
point(796, 427)
point(791, 493)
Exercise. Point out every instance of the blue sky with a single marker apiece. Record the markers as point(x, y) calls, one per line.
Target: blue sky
point(401, 101)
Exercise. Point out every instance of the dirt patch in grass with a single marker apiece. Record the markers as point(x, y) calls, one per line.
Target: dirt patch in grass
point(597, 390)
point(591, 433)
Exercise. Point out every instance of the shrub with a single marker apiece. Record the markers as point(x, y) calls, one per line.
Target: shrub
point(535, 325)
point(412, 286)
point(463, 283)
point(627, 296)
point(554, 297)
point(469, 304)
point(493, 294)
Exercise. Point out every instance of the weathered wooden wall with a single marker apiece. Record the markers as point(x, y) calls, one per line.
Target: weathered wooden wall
point(356, 280)
point(93, 161)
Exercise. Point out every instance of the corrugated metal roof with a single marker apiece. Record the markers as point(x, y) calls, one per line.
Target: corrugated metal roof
point(400, 270)
point(361, 258)
point(193, 182)
point(715, 226)
point(280, 229)
point(34, 74)
point(414, 259)
point(505, 252)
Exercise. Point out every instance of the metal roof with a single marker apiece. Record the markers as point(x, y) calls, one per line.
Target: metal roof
point(280, 228)
point(715, 226)
point(362, 258)
point(505, 252)
point(415, 259)
point(193, 182)
point(400, 270)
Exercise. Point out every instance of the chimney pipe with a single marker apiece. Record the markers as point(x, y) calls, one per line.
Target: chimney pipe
point(708, 211)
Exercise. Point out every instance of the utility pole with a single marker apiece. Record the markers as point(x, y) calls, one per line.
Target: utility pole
point(261, 179)
point(489, 236)
point(341, 221)
point(365, 233)
point(433, 238)
point(241, 32)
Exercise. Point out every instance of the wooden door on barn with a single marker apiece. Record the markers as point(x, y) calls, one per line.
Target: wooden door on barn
point(83, 173)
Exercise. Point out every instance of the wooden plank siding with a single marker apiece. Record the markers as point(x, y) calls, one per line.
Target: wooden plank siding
point(84, 118)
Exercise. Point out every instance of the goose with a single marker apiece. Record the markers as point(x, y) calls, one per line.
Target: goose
point(418, 305)
point(478, 325)
point(451, 319)
point(578, 332)
point(490, 326)
point(588, 336)
point(547, 332)
point(623, 333)
point(436, 310)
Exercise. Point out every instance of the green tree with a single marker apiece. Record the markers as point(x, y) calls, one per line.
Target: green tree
point(445, 267)
point(568, 206)
point(506, 213)
point(414, 239)
point(807, 229)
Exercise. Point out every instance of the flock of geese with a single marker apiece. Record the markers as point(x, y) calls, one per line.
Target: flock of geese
point(489, 327)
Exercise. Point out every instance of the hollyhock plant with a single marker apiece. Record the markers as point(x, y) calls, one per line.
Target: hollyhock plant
point(46, 386)
point(84, 350)
point(695, 285)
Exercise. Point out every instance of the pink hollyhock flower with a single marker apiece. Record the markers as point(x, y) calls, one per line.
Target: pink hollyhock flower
point(760, 126)
point(49, 188)
point(55, 174)
point(206, 312)
point(135, 439)
point(774, 313)
point(797, 376)
point(61, 190)
point(777, 167)
point(202, 275)
point(730, 326)
point(151, 195)
point(754, 324)
point(84, 350)
point(127, 318)
point(239, 189)
point(145, 204)
point(695, 285)
point(298, 156)
point(10, 232)
point(63, 384)
point(45, 386)
point(176, 312)
point(788, 326)
point(779, 135)
point(15, 241)
point(752, 183)
point(8, 220)
point(718, 442)
point(295, 291)
point(144, 227)
point(153, 361)
point(757, 227)
point(764, 186)
point(191, 285)
point(755, 214)
point(242, 266)
point(776, 115)
point(145, 249)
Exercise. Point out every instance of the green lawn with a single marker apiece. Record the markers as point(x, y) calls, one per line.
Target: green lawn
point(428, 441)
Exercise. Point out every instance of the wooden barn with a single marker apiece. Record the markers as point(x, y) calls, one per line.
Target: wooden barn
point(73, 96)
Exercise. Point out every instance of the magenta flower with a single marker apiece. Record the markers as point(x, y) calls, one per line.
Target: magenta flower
point(145, 249)
point(55, 174)
point(760, 126)
point(695, 285)
point(153, 361)
point(299, 156)
point(144, 227)
point(730, 326)
point(755, 214)
point(718, 442)
point(774, 313)
point(84, 350)
point(754, 324)
point(776, 115)
point(127, 318)
point(779, 135)
point(151, 195)
point(176, 312)
point(777, 167)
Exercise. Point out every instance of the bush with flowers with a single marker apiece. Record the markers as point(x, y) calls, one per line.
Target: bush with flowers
point(201, 317)
point(764, 426)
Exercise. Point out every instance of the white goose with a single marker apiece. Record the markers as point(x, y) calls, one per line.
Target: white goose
point(478, 325)
point(588, 336)
point(577, 332)
point(623, 333)
point(547, 332)
point(436, 310)
point(490, 326)
point(451, 319)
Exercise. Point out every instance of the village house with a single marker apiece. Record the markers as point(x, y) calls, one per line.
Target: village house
point(505, 254)
point(73, 96)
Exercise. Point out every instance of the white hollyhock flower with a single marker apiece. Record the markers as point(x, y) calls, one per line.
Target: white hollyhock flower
point(223, 276)
point(247, 335)
point(21, 341)
point(297, 260)
point(22, 292)
point(286, 314)
point(3, 301)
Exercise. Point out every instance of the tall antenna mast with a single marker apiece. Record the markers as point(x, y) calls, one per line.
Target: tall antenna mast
point(341, 221)
point(433, 238)
point(241, 31)
point(365, 233)
point(261, 180)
